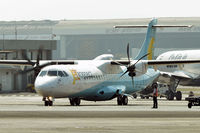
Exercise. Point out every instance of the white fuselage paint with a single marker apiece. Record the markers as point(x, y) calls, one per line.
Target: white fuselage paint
point(192, 69)
point(85, 75)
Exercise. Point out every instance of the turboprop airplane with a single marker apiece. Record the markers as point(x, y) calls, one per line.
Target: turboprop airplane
point(99, 79)
point(171, 75)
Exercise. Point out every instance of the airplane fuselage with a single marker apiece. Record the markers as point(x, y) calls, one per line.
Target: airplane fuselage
point(88, 81)
point(189, 70)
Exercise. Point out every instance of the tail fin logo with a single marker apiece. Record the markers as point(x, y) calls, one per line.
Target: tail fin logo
point(75, 76)
point(150, 49)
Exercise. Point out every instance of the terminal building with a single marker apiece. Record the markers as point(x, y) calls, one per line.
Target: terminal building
point(83, 39)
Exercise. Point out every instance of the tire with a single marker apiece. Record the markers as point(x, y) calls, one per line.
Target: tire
point(71, 100)
point(119, 100)
point(189, 105)
point(178, 95)
point(135, 96)
point(142, 97)
point(77, 101)
point(46, 103)
point(125, 100)
point(50, 103)
point(170, 95)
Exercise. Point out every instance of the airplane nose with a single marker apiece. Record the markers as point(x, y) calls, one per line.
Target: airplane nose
point(44, 88)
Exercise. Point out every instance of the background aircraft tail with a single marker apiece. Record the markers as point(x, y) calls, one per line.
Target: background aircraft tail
point(148, 44)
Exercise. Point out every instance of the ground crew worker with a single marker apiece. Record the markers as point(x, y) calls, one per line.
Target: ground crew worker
point(155, 95)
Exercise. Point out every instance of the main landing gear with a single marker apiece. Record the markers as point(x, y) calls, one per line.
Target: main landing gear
point(48, 101)
point(75, 101)
point(170, 95)
point(122, 100)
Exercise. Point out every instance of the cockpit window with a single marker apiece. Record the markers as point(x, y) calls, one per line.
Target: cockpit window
point(65, 73)
point(52, 73)
point(61, 74)
point(43, 73)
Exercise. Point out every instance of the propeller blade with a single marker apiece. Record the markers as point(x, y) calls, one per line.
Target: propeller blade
point(124, 73)
point(119, 63)
point(141, 58)
point(25, 57)
point(38, 57)
point(132, 82)
point(128, 54)
point(28, 70)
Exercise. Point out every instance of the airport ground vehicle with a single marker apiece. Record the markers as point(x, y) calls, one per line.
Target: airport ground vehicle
point(193, 101)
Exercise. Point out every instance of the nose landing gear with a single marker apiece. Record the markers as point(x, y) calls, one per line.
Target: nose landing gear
point(48, 101)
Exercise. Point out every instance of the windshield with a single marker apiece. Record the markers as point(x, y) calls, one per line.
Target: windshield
point(43, 73)
point(52, 73)
point(61, 74)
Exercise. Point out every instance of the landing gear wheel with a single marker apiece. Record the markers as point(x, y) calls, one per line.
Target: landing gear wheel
point(75, 101)
point(125, 100)
point(71, 100)
point(142, 97)
point(122, 100)
point(170, 95)
point(178, 95)
point(119, 100)
point(135, 96)
point(190, 105)
point(48, 101)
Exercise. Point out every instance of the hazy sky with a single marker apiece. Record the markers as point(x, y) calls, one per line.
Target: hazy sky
point(96, 9)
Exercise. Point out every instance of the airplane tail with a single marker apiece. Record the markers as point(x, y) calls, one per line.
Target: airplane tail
point(148, 44)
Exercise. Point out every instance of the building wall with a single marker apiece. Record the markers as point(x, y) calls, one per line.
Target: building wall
point(6, 82)
point(86, 39)
point(90, 46)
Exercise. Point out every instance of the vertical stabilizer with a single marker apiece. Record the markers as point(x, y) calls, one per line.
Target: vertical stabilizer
point(148, 44)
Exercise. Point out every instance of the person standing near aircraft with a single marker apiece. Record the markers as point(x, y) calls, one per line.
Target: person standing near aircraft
point(155, 95)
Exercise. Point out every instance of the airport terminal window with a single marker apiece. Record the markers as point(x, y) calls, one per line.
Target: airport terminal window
point(60, 73)
point(52, 73)
point(43, 73)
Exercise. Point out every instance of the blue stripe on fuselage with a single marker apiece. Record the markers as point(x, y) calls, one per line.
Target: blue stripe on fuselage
point(140, 83)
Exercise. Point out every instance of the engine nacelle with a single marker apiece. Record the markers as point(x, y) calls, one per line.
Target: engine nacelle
point(140, 68)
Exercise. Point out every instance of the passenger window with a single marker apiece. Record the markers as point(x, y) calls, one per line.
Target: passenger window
point(43, 73)
point(52, 73)
point(65, 73)
point(60, 73)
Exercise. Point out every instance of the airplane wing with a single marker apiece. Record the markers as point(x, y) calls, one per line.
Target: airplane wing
point(165, 77)
point(27, 63)
point(176, 74)
point(157, 62)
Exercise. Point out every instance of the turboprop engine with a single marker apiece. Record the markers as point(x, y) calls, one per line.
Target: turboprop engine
point(140, 68)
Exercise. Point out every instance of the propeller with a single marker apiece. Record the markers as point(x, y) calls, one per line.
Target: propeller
point(131, 69)
point(36, 65)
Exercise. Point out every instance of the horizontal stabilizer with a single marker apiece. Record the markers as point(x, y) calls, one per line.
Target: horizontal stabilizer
point(155, 26)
